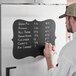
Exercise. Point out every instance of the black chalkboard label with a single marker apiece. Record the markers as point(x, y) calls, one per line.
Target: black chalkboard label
point(29, 37)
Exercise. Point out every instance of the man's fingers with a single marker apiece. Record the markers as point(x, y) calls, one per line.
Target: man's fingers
point(46, 46)
point(50, 46)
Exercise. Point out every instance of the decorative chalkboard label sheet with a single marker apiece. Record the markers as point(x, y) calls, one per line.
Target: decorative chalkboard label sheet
point(29, 37)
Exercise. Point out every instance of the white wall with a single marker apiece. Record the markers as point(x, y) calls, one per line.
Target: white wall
point(35, 1)
point(17, 1)
point(29, 66)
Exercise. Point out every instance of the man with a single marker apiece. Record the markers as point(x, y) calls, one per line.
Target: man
point(66, 64)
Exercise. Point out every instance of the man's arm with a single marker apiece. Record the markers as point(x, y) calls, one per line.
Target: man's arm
point(49, 55)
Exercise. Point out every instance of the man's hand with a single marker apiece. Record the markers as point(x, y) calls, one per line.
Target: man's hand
point(48, 50)
point(48, 53)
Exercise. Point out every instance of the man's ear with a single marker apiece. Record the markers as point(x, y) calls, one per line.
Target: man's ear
point(72, 20)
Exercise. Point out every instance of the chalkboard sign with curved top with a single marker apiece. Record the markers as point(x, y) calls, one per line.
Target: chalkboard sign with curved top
point(29, 37)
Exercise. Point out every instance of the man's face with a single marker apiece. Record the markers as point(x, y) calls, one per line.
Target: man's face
point(68, 25)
